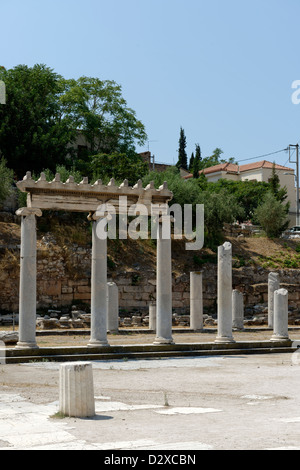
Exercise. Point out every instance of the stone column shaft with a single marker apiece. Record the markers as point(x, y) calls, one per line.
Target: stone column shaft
point(281, 331)
point(273, 285)
point(98, 289)
point(113, 307)
point(237, 310)
point(27, 296)
point(225, 294)
point(196, 301)
point(152, 317)
point(164, 283)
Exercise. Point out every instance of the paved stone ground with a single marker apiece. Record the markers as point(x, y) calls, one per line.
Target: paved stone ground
point(219, 402)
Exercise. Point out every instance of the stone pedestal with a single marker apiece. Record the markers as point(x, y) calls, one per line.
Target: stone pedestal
point(98, 289)
point(196, 301)
point(152, 317)
point(224, 294)
point(164, 283)
point(237, 310)
point(113, 307)
point(273, 285)
point(281, 331)
point(76, 390)
point(27, 296)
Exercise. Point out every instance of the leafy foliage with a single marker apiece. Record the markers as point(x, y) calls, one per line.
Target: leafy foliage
point(119, 167)
point(45, 113)
point(6, 180)
point(33, 131)
point(272, 215)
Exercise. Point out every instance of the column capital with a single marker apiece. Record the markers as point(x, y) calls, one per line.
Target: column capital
point(25, 211)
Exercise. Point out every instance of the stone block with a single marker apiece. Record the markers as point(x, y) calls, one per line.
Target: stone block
point(76, 390)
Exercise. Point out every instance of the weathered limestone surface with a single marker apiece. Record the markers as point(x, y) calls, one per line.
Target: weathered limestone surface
point(280, 315)
point(98, 290)
point(196, 301)
point(76, 390)
point(27, 297)
point(152, 316)
point(113, 307)
point(273, 285)
point(164, 284)
point(237, 310)
point(225, 294)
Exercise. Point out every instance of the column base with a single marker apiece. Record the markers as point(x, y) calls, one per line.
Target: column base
point(97, 344)
point(26, 345)
point(279, 338)
point(224, 339)
point(159, 340)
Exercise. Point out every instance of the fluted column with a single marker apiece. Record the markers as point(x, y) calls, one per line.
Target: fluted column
point(164, 282)
point(27, 296)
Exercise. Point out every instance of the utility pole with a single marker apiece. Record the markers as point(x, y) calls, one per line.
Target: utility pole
point(296, 147)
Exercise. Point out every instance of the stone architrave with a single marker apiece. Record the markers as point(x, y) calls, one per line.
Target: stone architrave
point(196, 301)
point(225, 294)
point(280, 331)
point(273, 285)
point(76, 390)
point(237, 310)
point(113, 307)
point(164, 282)
point(99, 320)
point(27, 296)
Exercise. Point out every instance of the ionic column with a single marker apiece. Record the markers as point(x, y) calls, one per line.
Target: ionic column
point(237, 310)
point(224, 294)
point(273, 285)
point(281, 331)
point(27, 296)
point(196, 301)
point(164, 282)
point(98, 285)
point(113, 307)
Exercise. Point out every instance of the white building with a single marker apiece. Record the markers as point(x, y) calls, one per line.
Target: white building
point(258, 171)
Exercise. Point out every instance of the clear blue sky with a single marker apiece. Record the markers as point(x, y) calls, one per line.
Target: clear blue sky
point(221, 69)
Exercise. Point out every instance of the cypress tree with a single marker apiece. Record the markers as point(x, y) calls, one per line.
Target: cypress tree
point(182, 155)
point(197, 162)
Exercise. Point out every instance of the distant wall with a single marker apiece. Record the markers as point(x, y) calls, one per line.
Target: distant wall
point(64, 278)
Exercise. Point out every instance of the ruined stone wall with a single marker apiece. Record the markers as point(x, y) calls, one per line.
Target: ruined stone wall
point(63, 279)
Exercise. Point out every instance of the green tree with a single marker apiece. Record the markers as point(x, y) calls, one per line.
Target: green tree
point(34, 132)
point(6, 180)
point(191, 163)
point(182, 155)
point(249, 194)
point(119, 167)
point(272, 216)
point(215, 159)
point(98, 109)
point(275, 188)
point(197, 162)
point(219, 208)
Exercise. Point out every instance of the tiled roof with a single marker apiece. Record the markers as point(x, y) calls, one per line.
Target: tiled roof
point(233, 168)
